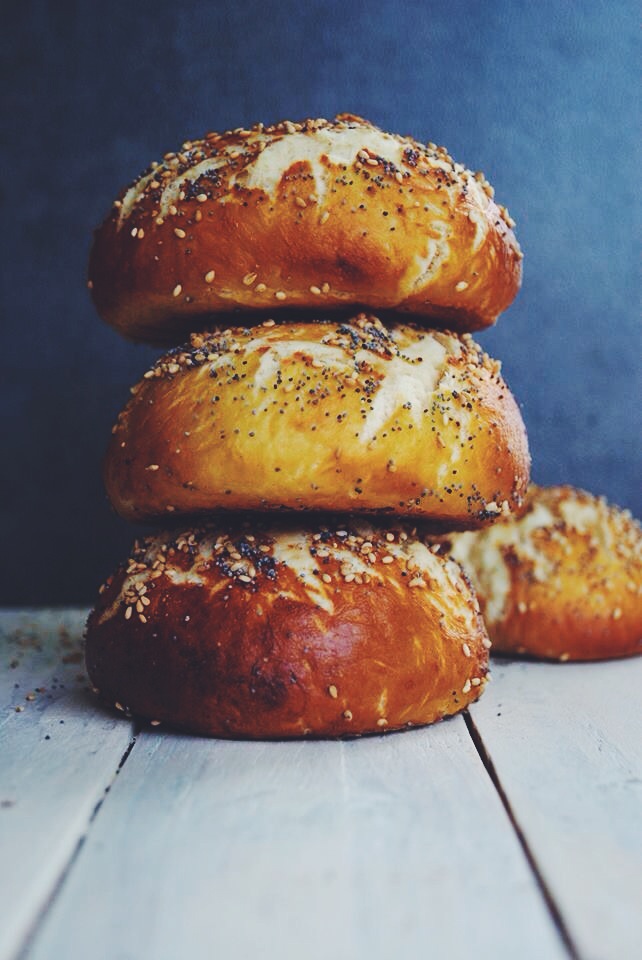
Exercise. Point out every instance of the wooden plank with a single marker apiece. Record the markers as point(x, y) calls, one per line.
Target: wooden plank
point(566, 744)
point(386, 847)
point(58, 753)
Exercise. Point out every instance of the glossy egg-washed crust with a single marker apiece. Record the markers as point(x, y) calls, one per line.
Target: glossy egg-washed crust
point(316, 215)
point(258, 630)
point(342, 416)
point(563, 581)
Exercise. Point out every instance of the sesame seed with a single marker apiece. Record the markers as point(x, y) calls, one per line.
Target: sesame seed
point(128, 613)
point(466, 649)
point(564, 657)
point(387, 559)
point(260, 288)
point(152, 466)
point(154, 723)
point(325, 288)
point(382, 722)
point(522, 607)
point(326, 578)
point(332, 690)
point(249, 279)
point(180, 233)
point(617, 613)
point(462, 285)
point(202, 197)
point(315, 290)
point(300, 202)
point(178, 289)
point(475, 681)
point(209, 276)
point(324, 216)
point(417, 582)
point(466, 687)
point(159, 221)
point(347, 714)
point(280, 295)
point(135, 232)
point(173, 211)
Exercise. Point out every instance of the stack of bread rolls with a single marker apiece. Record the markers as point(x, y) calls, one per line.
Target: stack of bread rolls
point(320, 408)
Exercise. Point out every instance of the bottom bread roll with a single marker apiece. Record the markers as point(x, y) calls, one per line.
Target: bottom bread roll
point(561, 581)
point(271, 630)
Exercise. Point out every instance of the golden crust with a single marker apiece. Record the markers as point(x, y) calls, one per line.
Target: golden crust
point(334, 416)
point(268, 630)
point(562, 581)
point(316, 214)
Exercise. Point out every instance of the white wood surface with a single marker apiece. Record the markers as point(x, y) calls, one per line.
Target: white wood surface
point(389, 847)
point(58, 754)
point(566, 743)
point(394, 847)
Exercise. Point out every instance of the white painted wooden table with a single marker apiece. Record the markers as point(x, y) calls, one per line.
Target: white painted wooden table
point(513, 833)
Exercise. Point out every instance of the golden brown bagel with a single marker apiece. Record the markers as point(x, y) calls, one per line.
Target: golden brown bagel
point(562, 581)
point(325, 416)
point(264, 630)
point(316, 215)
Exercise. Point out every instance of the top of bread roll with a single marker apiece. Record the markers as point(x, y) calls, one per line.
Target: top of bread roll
point(253, 627)
point(340, 416)
point(563, 580)
point(319, 214)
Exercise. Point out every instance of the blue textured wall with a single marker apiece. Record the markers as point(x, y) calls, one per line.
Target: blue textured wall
point(540, 95)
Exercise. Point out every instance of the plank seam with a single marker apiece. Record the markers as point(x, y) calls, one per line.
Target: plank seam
point(23, 951)
point(551, 906)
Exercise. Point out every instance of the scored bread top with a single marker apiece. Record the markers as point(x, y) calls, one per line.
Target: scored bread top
point(342, 416)
point(261, 627)
point(562, 580)
point(328, 214)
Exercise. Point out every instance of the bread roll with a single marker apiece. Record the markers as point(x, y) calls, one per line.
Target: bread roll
point(316, 215)
point(326, 416)
point(262, 630)
point(563, 581)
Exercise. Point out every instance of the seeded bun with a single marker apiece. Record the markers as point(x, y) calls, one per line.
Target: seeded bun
point(287, 632)
point(332, 416)
point(317, 215)
point(563, 581)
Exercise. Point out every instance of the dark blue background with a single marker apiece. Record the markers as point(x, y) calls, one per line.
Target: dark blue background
point(542, 96)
